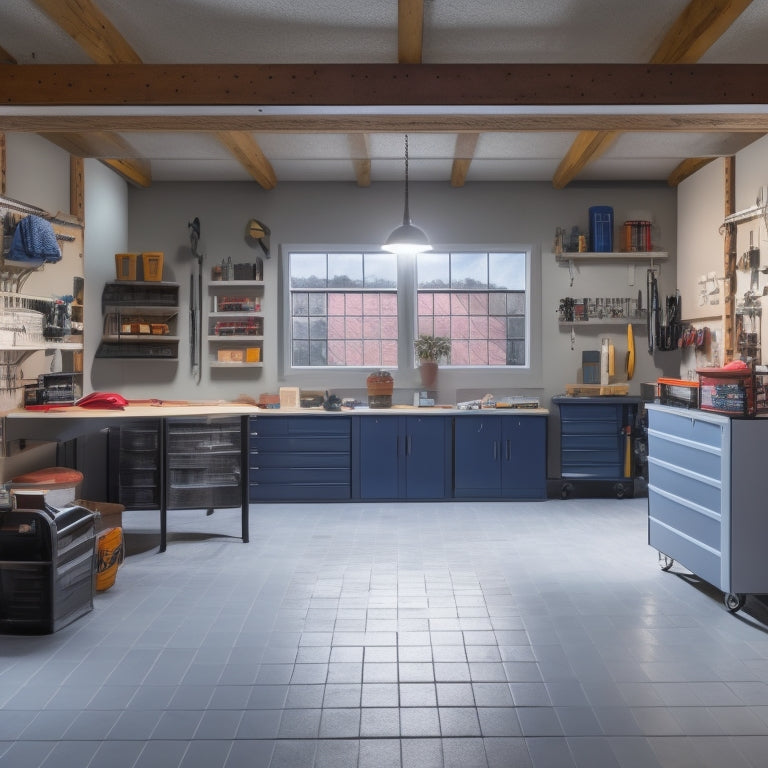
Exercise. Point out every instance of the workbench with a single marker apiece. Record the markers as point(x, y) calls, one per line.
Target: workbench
point(62, 424)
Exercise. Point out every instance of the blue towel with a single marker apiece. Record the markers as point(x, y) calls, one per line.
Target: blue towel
point(34, 241)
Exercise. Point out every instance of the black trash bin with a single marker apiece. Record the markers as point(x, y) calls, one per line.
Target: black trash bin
point(47, 560)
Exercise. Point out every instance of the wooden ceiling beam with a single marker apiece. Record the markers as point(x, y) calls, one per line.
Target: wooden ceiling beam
point(700, 24)
point(111, 148)
point(5, 57)
point(137, 172)
point(466, 143)
point(410, 31)
point(447, 122)
point(350, 85)
point(687, 168)
point(248, 152)
point(358, 148)
point(96, 35)
point(91, 30)
point(587, 146)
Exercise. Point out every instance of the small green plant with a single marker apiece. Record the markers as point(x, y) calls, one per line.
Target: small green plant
point(432, 347)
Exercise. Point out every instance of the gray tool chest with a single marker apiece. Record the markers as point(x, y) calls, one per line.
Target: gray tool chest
point(596, 443)
point(707, 487)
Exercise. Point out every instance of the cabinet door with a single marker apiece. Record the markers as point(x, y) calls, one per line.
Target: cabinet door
point(379, 457)
point(524, 457)
point(477, 456)
point(425, 457)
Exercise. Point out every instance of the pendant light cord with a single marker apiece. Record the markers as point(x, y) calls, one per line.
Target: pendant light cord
point(406, 212)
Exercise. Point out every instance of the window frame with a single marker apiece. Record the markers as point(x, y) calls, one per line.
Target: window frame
point(467, 378)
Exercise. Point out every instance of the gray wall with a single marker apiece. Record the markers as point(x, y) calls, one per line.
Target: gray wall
point(482, 214)
point(119, 218)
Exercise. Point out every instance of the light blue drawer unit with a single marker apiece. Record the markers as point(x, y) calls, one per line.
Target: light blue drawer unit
point(706, 497)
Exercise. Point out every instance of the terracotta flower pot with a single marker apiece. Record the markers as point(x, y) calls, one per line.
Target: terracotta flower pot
point(428, 370)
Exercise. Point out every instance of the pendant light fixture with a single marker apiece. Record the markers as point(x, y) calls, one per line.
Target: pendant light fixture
point(407, 238)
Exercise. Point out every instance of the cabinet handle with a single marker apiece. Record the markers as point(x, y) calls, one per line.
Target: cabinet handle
point(495, 450)
point(509, 450)
point(407, 445)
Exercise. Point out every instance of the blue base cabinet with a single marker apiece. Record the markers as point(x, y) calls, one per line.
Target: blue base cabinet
point(500, 457)
point(402, 457)
point(707, 487)
point(300, 458)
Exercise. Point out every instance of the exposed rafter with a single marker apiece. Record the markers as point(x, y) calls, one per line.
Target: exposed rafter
point(91, 30)
point(698, 26)
point(136, 172)
point(410, 31)
point(587, 146)
point(358, 147)
point(687, 168)
point(462, 157)
point(247, 151)
point(5, 57)
point(96, 35)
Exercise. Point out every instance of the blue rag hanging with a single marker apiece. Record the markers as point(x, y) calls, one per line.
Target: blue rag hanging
point(34, 241)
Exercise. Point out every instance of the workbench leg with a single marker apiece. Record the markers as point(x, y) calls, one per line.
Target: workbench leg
point(244, 464)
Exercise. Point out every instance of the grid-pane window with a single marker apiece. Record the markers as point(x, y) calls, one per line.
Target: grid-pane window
point(479, 301)
point(343, 309)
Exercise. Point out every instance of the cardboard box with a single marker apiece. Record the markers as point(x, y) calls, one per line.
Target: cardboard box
point(110, 515)
point(230, 355)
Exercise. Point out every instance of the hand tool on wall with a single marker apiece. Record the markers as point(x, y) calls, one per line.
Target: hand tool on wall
point(196, 302)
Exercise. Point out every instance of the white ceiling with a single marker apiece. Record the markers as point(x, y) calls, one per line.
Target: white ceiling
point(366, 31)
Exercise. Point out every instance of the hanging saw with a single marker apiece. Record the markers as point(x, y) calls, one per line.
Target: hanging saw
point(196, 302)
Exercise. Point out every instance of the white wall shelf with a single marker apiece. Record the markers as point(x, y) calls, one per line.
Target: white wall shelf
point(626, 256)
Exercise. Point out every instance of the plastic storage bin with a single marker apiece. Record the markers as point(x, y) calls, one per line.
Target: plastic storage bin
point(47, 561)
point(601, 229)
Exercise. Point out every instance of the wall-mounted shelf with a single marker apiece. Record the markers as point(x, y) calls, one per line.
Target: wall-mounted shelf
point(594, 323)
point(235, 324)
point(140, 320)
point(628, 256)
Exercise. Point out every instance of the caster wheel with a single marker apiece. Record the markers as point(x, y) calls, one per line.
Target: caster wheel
point(734, 602)
point(665, 563)
point(620, 490)
point(566, 490)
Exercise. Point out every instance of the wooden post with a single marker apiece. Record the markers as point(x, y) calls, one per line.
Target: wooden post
point(77, 188)
point(2, 164)
point(729, 284)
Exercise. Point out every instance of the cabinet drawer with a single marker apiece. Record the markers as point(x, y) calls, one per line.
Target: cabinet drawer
point(300, 444)
point(692, 457)
point(690, 554)
point(610, 442)
point(288, 475)
point(687, 427)
point(681, 516)
point(699, 491)
point(607, 470)
point(300, 425)
point(595, 413)
point(300, 460)
point(590, 427)
point(299, 492)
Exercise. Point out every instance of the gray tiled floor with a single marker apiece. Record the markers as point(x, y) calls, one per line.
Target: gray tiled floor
point(344, 636)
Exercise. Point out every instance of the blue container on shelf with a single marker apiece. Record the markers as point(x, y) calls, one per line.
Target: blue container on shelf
point(601, 229)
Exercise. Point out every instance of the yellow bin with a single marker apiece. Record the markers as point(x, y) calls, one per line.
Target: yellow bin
point(125, 266)
point(153, 265)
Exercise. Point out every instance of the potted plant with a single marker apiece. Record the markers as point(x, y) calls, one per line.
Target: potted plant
point(430, 350)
